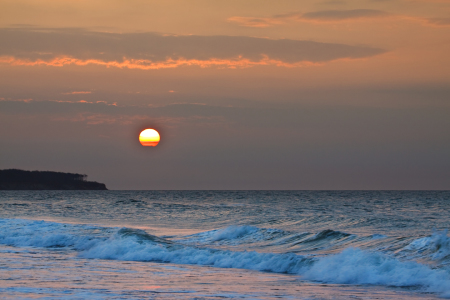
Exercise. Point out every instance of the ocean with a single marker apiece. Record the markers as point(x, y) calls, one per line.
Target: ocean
point(224, 244)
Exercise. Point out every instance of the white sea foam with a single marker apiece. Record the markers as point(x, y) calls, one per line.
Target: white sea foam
point(234, 235)
point(234, 232)
point(351, 266)
point(131, 248)
point(29, 233)
point(354, 266)
point(436, 246)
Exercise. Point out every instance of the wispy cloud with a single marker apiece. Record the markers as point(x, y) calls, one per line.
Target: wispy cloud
point(34, 47)
point(102, 113)
point(77, 93)
point(100, 119)
point(322, 16)
point(438, 21)
point(333, 2)
point(27, 100)
point(340, 15)
point(332, 17)
point(257, 22)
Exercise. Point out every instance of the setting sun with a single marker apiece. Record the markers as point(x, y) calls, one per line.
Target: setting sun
point(149, 137)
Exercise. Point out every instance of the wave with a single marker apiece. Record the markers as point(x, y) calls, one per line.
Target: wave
point(29, 233)
point(435, 247)
point(351, 266)
point(128, 247)
point(326, 235)
point(269, 238)
point(234, 235)
point(355, 266)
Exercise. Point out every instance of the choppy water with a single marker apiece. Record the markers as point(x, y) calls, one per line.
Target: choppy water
point(224, 244)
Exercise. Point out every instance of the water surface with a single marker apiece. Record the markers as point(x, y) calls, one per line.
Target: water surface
point(224, 244)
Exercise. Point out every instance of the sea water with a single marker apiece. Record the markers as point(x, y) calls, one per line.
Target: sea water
point(224, 244)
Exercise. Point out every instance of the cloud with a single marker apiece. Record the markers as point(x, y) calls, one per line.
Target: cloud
point(155, 51)
point(16, 100)
point(102, 113)
point(256, 22)
point(322, 16)
point(333, 2)
point(77, 93)
point(339, 15)
point(438, 21)
point(333, 16)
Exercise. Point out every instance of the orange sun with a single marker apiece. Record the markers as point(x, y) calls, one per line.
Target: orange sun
point(149, 137)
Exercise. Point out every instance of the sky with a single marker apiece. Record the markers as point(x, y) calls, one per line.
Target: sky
point(281, 94)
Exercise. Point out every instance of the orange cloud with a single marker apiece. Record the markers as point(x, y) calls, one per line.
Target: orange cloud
point(149, 65)
point(149, 51)
point(83, 101)
point(256, 22)
point(77, 93)
point(17, 100)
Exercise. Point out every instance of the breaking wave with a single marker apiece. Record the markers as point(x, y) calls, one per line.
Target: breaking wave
point(238, 235)
point(350, 266)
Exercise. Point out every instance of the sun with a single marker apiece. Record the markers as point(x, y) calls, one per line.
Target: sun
point(149, 137)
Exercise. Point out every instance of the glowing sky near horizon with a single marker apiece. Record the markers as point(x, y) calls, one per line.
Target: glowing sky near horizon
point(344, 94)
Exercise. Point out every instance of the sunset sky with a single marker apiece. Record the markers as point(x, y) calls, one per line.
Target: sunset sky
point(351, 94)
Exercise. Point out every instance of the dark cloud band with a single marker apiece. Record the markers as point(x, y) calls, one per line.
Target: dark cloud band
point(344, 14)
point(150, 50)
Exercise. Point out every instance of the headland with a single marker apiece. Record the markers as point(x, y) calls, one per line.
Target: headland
point(14, 179)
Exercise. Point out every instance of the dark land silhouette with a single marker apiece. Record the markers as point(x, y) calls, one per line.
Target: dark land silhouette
point(14, 179)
